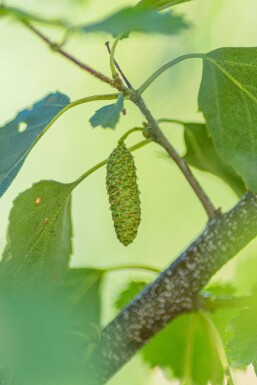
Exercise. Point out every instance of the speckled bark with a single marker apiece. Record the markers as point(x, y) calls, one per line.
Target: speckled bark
point(174, 291)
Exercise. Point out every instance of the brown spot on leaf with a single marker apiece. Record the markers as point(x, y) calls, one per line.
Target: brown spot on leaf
point(38, 201)
point(51, 99)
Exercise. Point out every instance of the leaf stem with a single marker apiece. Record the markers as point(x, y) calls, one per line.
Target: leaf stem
point(176, 121)
point(189, 351)
point(104, 162)
point(112, 58)
point(56, 48)
point(156, 134)
point(129, 132)
point(132, 267)
point(76, 103)
point(165, 67)
point(218, 345)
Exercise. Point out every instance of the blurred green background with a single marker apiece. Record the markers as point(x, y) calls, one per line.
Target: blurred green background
point(171, 214)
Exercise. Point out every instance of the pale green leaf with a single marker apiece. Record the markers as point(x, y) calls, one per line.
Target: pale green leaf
point(40, 341)
point(19, 135)
point(25, 16)
point(202, 154)
point(137, 19)
point(228, 99)
point(39, 235)
point(108, 116)
point(47, 334)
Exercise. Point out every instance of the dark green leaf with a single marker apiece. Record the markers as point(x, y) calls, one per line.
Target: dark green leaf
point(202, 154)
point(39, 235)
point(228, 99)
point(108, 116)
point(131, 291)
point(160, 4)
point(241, 348)
point(137, 19)
point(19, 135)
point(81, 288)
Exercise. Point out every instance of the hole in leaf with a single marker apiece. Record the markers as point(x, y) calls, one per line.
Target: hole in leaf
point(22, 127)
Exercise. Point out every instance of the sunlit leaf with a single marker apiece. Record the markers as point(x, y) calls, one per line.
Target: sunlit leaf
point(108, 116)
point(39, 235)
point(24, 16)
point(137, 19)
point(130, 292)
point(228, 99)
point(19, 135)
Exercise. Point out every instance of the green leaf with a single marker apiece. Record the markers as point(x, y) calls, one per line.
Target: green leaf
point(184, 349)
point(19, 135)
point(202, 154)
point(130, 292)
point(46, 336)
point(39, 340)
point(220, 289)
point(160, 4)
point(39, 236)
point(228, 99)
point(137, 19)
point(108, 116)
point(81, 287)
point(241, 349)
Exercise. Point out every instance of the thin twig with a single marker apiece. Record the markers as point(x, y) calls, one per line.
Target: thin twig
point(104, 162)
point(118, 68)
point(157, 135)
point(55, 47)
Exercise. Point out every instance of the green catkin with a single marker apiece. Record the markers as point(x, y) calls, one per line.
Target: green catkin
point(121, 181)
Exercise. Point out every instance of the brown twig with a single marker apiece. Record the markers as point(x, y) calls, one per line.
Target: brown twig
point(55, 47)
point(156, 134)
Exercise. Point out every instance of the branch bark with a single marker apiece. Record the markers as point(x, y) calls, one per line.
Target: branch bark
point(175, 291)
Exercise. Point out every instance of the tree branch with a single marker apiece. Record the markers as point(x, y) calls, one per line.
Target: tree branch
point(175, 291)
point(55, 47)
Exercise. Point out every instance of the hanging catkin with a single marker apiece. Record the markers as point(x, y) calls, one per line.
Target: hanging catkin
point(123, 193)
